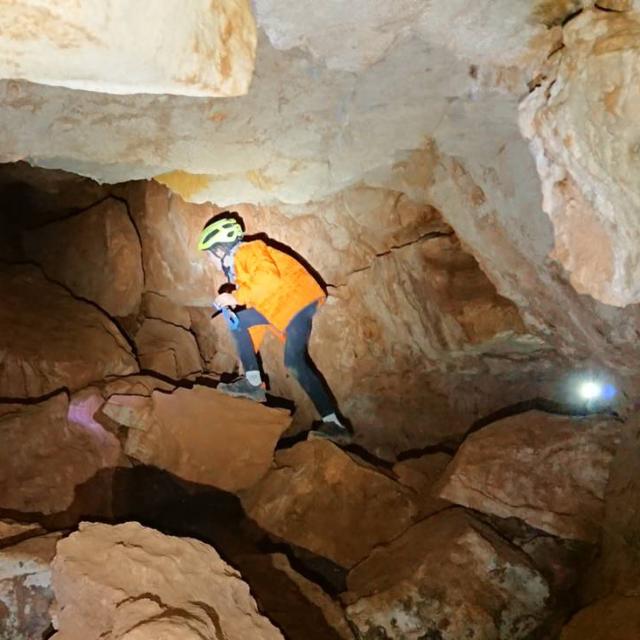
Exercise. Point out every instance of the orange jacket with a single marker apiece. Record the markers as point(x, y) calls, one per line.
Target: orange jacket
point(274, 283)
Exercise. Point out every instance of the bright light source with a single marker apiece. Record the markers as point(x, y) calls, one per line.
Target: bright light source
point(590, 390)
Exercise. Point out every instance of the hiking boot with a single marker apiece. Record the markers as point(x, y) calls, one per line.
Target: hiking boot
point(242, 388)
point(331, 431)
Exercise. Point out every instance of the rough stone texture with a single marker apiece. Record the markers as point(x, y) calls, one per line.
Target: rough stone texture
point(583, 127)
point(161, 308)
point(48, 451)
point(128, 582)
point(167, 349)
point(614, 618)
point(299, 607)
point(49, 340)
point(12, 532)
point(95, 253)
point(550, 471)
point(322, 499)
point(421, 474)
point(201, 435)
point(197, 49)
point(617, 570)
point(25, 588)
point(482, 588)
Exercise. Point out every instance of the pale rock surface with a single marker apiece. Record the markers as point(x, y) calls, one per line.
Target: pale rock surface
point(331, 503)
point(550, 471)
point(447, 577)
point(50, 340)
point(48, 450)
point(25, 588)
point(167, 349)
point(614, 618)
point(583, 126)
point(421, 475)
point(128, 582)
point(95, 253)
point(195, 48)
point(201, 435)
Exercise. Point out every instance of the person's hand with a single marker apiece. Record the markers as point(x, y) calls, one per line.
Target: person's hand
point(226, 300)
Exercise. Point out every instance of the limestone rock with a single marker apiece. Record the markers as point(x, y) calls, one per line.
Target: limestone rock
point(161, 308)
point(49, 340)
point(95, 253)
point(583, 129)
point(421, 475)
point(322, 499)
point(47, 453)
point(128, 582)
point(167, 349)
point(25, 588)
point(614, 618)
point(448, 577)
point(297, 605)
point(197, 49)
point(550, 471)
point(203, 436)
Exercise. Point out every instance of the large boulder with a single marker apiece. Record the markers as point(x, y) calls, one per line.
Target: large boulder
point(329, 502)
point(130, 582)
point(614, 618)
point(25, 588)
point(95, 253)
point(550, 471)
point(583, 126)
point(448, 577)
point(200, 435)
point(48, 451)
point(49, 340)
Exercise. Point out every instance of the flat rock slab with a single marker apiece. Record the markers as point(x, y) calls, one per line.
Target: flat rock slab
point(201, 435)
point(448, 577)
point(49, 340)
point(25, 588)
point(47, 453)
point(335, 505)
point(550, 471)
point(130, 582)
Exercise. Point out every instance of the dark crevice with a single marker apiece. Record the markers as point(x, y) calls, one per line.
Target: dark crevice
point(71, 214)
point(447, 447)
point(423, 238)
point(36, 399)
point(570, 17)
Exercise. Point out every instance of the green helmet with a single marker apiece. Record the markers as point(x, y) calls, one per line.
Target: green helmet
point(223, 230)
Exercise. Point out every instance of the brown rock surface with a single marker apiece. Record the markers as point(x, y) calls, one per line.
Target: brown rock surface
point(551, 471)
point(447, 577)
point(95, 253)
point(421, 474)
point(167, 349)
point(49, 340)
point(128, 582)
point(614, 618)
point(48, 451)
point(160, 307)
point(12, 532)
point(203, 436)
point(25, 588)
point(329, 502)
point(297, 605)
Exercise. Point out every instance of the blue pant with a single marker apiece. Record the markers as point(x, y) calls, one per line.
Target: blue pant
point(296, 356)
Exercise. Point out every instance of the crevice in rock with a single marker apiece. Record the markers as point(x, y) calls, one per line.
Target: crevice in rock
point(423, 238)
